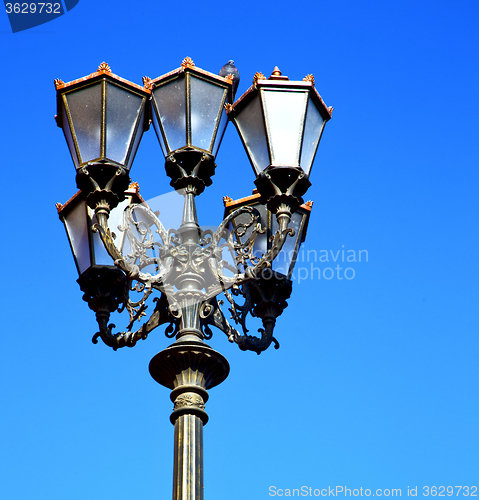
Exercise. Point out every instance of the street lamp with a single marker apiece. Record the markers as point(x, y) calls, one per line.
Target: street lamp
point(120, 245)
point(280, 123)
point(265, 297)
point(103, 119)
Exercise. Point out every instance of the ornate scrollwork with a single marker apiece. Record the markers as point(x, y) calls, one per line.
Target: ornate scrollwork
point(188, 267)
point(265, 297)
point(160, 316)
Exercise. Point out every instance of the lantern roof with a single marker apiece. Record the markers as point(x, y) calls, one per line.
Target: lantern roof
point(188, 66)
point(102, 73)
point(278, 80)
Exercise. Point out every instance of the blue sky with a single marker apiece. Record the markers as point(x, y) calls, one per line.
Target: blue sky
point(376, 381)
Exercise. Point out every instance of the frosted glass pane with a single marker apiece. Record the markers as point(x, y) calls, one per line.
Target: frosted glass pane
point(284, 114)
point(115, 219)
point(251, 126)
point(221, 132)
point(139, 135)
point(77, 229)
point(159, 135)
point(312, 133)
point(206, 104)
point(122, 108)
point(171, 103)
point(282, 263)
point(85, 110)
point(68, 135)
point(101, 257)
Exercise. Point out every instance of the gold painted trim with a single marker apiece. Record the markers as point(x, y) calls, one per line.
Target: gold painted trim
point(187, 63)
point(258, 76)
point(104, 67)
point(66, 106)
point(147, 83)
point(309, 78)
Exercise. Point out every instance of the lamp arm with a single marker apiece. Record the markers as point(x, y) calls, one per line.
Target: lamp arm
point(165, 260)
point(267, 312)
point(160, 315)
point(258, 345)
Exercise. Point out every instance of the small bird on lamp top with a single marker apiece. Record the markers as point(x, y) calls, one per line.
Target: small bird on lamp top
point(230, 69)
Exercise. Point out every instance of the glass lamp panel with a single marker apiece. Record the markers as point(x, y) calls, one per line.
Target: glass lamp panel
point(251, 127)
point(137, 139)
point(86, 112)
point(313, 128)
point(285, 260)
point(171, 104)
point(100, 255)
point(207, 101)
point(159, 135)
point(284, 114)
point(115, 219)
point(220, 133)
point(68, 136)
point(122, 110)
point(76, 224)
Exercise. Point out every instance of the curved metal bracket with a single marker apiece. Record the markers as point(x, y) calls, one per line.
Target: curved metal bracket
point(161, 315)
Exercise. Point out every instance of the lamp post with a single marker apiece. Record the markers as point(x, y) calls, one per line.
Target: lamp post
point(121, 247)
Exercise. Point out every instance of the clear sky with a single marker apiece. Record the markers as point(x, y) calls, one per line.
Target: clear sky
point(376, 382)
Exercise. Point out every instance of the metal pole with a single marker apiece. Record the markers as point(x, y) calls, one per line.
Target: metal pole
point(189, 369)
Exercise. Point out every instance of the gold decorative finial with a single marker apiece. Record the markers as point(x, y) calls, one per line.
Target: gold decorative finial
point(58, 82)
point(309, 204)
point(228, 107)
point(135, 186)
point(147, 83)
point(104, 67)
point(277, 75)
point(330, 109)
point(309, 78)
point(227, 199)
point(230, 78)
point(187, 63)
point(59, 207)
point(258, 76)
